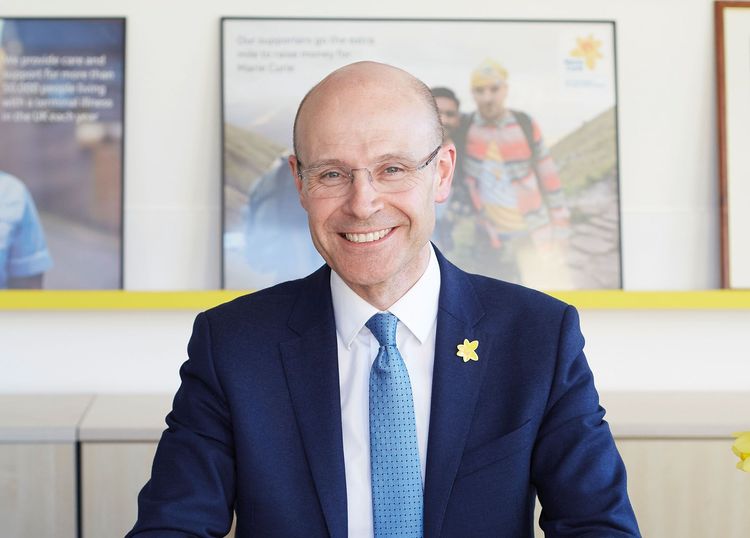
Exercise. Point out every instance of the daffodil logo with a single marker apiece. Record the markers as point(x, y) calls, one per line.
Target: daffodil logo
point(467, 350)
point(589, 50)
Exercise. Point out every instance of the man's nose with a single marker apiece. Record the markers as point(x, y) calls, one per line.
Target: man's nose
point(363, 199)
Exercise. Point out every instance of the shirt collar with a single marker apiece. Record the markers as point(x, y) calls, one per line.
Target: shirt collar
point(417, 309)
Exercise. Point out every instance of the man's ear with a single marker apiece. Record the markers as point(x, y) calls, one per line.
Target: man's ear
point(294, 166)
point(446, 164)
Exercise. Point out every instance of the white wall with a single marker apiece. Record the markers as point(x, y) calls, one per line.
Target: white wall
point(172, 194)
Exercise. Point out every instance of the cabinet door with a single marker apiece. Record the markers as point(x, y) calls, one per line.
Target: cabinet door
point(112, 475)
point(687, 487)
point(38, 490)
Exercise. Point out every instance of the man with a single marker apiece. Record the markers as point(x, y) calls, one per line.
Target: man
point(456, 224)
point(514, 187)
point(448, 109)
point(478, 397)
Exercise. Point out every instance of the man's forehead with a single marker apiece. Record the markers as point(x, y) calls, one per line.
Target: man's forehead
point(443, 101)
point(365, 122)
point(366, 147)
point(366, 97)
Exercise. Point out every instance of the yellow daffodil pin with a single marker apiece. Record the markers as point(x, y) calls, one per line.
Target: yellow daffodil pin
point(467, 350)
point(741, 448)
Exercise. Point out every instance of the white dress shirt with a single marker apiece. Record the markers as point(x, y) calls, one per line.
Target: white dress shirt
point(357, 349)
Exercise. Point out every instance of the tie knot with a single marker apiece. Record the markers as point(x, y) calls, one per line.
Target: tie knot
point(383, 328)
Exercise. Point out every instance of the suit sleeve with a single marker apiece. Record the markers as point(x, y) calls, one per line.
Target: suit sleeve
point(579, 475)
point(192, 486)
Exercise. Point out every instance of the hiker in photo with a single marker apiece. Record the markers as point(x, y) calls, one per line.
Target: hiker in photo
point(513, 185)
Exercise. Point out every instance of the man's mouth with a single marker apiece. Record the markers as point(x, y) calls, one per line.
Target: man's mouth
point(367, 237)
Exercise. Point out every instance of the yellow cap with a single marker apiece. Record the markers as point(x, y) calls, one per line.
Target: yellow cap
point(489, 71)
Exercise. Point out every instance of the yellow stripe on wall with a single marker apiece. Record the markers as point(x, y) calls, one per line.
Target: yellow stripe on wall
point(201, 300)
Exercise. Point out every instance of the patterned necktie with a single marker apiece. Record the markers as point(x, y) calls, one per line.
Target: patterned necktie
point(394, 457)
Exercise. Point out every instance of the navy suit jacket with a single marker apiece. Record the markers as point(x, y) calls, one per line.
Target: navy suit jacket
point(256, 423)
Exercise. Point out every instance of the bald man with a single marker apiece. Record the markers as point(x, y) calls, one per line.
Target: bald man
point(388, 393)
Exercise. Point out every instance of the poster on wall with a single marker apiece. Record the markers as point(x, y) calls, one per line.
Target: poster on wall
point(733, 79)
point(531, 107)
point(61, 152)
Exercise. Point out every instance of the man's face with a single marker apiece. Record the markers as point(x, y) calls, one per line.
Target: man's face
point(449, 117)
point(490, 98)
point(358, 129)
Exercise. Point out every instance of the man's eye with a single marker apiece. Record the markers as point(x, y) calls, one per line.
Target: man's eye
point(393, 170)
point(331, 174)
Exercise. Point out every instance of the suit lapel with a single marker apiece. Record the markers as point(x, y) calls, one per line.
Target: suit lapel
point(455, 389)
point(311, 368)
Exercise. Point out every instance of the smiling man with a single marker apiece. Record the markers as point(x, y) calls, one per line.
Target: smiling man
point(388, 394)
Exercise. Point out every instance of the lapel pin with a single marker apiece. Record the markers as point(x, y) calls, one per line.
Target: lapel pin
point(467, 350)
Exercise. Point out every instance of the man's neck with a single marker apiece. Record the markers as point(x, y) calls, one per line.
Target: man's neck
point(497, 119)
point(383, 295)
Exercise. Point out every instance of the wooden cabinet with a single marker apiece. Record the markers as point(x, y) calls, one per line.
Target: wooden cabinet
point(38, 464)
point(118, 441)
point(687, 487)
point(676, 446)
point(682, 479)
point(112, 474)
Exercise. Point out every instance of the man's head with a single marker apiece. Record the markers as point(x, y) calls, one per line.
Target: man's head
point(448, 108)
point(489, 86)
point(372, 118)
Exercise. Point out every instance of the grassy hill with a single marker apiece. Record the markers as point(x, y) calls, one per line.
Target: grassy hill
point(588, 154)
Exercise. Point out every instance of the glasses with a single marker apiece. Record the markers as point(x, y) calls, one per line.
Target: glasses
point(331, 180)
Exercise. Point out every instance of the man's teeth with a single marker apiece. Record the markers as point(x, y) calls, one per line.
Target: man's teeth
point(366, 238)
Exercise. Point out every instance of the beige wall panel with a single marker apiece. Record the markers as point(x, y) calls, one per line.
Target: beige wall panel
point(37, 490)
point(687, 487)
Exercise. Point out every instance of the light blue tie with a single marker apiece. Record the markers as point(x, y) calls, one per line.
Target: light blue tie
point(394, 456)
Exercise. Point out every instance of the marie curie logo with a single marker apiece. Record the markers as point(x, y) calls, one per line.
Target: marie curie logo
point(585, 55)
point(584, 61)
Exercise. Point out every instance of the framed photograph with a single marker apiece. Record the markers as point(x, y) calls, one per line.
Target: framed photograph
point(62, 86)
point(531, 107)
point(733, 80)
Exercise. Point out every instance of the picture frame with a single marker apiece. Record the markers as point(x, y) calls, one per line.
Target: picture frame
point(562, 99)
point(62, 121)
point(732, 33)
